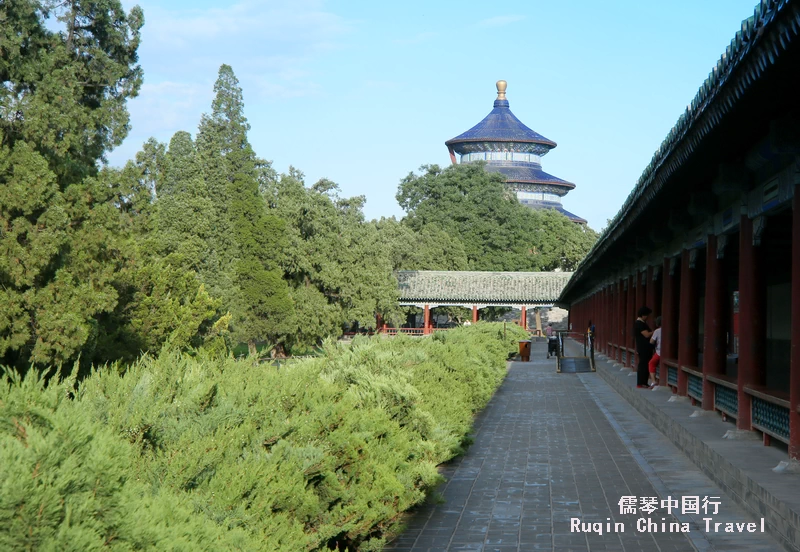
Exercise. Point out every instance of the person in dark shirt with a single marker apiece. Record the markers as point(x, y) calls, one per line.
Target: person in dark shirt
point(644, 349)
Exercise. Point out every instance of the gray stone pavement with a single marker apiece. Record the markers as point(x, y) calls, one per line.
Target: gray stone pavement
point(550, 447)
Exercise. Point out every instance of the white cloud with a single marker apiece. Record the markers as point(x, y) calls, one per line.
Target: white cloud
point(500, 20)
point(264, 35)
point(271, 45)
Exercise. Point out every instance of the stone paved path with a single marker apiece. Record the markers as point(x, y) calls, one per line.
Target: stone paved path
point(551, 447)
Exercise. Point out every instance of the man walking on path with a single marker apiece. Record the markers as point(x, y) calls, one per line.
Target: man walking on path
point(642, 334)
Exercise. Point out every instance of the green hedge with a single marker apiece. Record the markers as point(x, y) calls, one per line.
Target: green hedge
point(181, 453)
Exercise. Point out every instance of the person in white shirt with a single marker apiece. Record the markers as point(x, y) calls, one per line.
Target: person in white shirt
point(652, 366)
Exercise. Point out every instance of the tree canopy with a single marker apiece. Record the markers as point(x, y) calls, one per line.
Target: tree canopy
point(199, 242)
point(497, 232)
point(62, 106)
point(251, 240)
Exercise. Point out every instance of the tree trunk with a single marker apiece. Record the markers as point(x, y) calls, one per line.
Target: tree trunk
point(279, 351)
point(251, 347)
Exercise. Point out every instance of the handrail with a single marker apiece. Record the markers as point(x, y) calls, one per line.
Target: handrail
point(692, 370)
point(670, 362)
point(770, 395)
point(409, 331)
point(723, 380)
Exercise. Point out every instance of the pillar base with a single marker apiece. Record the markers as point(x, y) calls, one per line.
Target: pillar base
point(702, 413)
point(741, 435)
point(787, 466)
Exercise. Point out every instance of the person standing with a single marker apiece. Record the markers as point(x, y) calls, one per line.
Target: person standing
point(552, 340)
point(590, 335)
point(656, 341)
point(642, 334)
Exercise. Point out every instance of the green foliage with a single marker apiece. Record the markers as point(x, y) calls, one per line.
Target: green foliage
point(184, 209)
point(249, 241)
point(69, 481)
point(558, 241)
point(65, 90)
point(429, 248)
point(62, 106)
point(159, 304)
point(497, 232)
point(336, 263)
point(60, 250)
point(182, 453)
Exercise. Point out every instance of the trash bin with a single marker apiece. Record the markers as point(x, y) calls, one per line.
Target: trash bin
point(525, 350)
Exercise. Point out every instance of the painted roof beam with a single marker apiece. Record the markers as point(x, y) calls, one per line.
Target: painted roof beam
point(731, 179)
point(679, 221)
point(702, 205)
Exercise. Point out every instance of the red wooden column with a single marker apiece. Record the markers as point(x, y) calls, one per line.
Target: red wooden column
point(610, 317)
point(596, 315)
point(523, 319)
point(794, 373)
point(605, 332)
point(426, 320)
point(614, 313)
point(622, 299)
point(656, 290)
point(569, 314)
point(622, 335)
point(640, 301)
point(602, 338)
point(688, 319)
point(752, 327)
point(669, 319)
point(714, 349)
point(640, 291)
point(650, 295)
point(630, 318)
point(474, 313)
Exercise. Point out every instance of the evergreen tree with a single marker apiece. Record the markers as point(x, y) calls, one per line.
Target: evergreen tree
point(62, 107)
point(431, 248)
point(184, 209)
point(497, 231)
point(250, 241)
point(337, 264)
point(160, 298)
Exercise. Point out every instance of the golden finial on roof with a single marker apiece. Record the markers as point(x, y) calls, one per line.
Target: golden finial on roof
point(501, 89)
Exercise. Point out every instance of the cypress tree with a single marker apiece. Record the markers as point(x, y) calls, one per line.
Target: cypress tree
point(62, 107)
point(248, 240)
point(184, 210)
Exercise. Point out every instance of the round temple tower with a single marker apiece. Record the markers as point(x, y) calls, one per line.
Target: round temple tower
point(512, 149)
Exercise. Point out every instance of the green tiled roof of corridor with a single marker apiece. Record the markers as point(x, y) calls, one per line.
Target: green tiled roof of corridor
point(481, 287)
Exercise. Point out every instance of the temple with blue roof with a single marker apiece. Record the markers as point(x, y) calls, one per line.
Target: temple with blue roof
point(515, 151)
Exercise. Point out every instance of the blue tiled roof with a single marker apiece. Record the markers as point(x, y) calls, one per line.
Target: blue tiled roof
point(526, 172)
point(500, 126)
point(533, 204)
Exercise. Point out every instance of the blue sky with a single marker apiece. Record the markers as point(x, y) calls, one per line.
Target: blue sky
point(364, 92)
